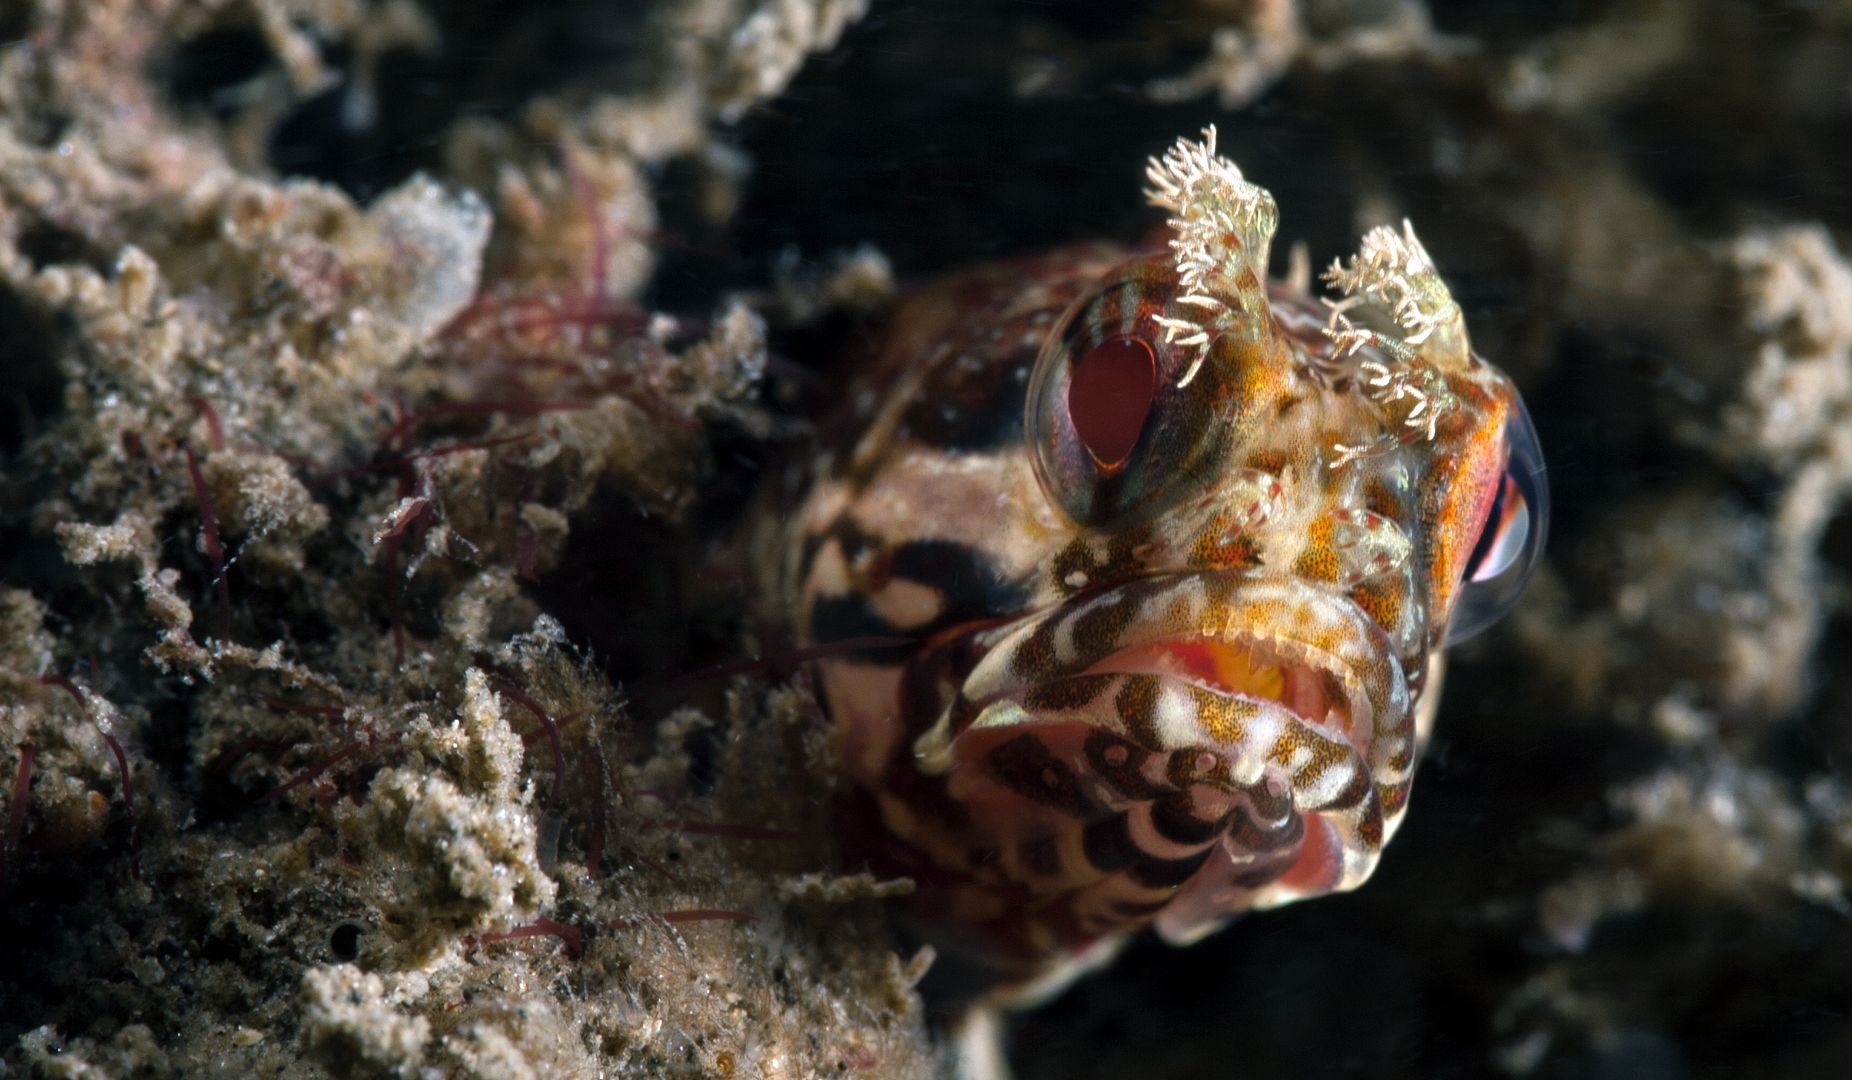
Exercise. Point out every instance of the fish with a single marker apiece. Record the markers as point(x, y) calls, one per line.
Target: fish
point(1142, 569)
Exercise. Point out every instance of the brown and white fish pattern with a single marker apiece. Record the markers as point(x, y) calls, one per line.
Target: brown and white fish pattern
point(1175, 551)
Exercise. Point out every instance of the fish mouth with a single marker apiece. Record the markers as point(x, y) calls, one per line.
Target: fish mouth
point(1309, 683)
point(1253, 738)
point(1275, 653)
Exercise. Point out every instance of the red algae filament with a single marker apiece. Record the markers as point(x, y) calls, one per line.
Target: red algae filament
point(341, 753)
point(572, 936)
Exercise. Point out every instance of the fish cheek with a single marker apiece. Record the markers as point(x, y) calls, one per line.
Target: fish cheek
point(1385, 600)
point(1318, 560)
point(1456, 494)
point(1251, 377)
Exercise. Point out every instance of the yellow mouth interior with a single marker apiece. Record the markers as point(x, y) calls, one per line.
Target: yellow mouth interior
point(1239, 669)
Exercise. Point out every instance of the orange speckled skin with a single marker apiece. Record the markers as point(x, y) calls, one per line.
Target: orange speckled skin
point(1106, 721)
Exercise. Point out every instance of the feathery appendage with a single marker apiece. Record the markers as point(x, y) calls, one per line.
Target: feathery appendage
point(1224, 227)
point(1394, 273)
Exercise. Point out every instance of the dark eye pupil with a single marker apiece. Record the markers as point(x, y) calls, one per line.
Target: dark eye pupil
point(1110, 390)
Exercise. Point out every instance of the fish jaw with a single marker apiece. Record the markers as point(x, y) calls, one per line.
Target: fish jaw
point(1193, 744)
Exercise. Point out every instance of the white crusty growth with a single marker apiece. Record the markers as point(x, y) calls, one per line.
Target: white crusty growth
point(1224, 227)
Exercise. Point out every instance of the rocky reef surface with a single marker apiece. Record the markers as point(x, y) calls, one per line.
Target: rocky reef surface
point(384, 381)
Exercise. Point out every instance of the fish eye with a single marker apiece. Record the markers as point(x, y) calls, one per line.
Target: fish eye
point(1511, 540)
point(1112, 433)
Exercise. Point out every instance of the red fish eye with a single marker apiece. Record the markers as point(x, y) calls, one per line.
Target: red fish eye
point(1109, 395)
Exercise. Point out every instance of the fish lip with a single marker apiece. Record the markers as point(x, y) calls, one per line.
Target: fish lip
point(1355, 722)
point(1276, 613)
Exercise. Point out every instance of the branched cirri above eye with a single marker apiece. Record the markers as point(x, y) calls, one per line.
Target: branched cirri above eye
point(1109, 397)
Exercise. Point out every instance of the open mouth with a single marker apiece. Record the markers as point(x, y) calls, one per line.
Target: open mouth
point(1257, 717)
point(1311, 684)
point(1278, 653)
